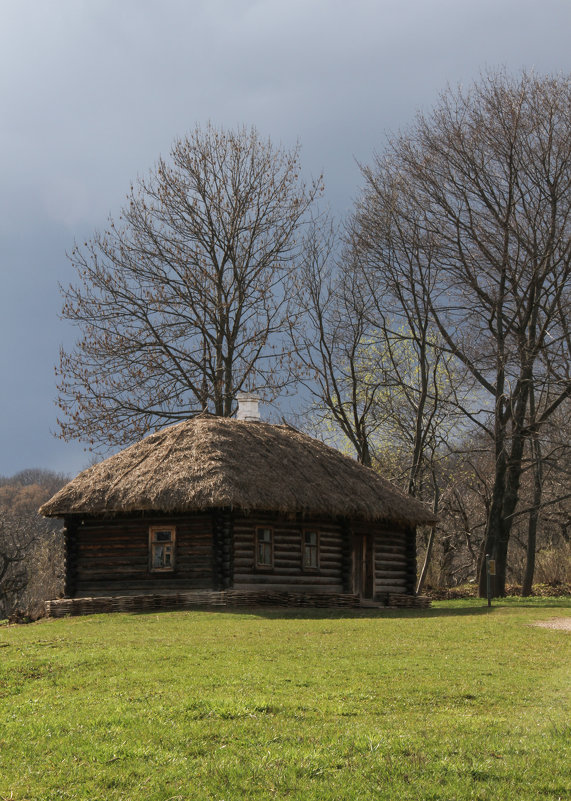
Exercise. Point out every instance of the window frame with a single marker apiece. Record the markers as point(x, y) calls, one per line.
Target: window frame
point(305, 547)
point(264, 565)
point(153, 530)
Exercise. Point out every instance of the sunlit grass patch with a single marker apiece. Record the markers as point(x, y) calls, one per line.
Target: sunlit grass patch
point(454, 703)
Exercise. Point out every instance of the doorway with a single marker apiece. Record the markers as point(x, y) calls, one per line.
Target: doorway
point(363, 565)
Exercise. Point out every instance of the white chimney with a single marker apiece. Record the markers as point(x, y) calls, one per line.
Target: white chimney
point(247, 406)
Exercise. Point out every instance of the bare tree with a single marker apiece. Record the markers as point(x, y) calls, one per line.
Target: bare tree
point(19, 534)
point(546, 492)
point(375, 376)
point(335, 344)
point(481, 193)
point(185, 299)
point(425, 387)
point(31, 554)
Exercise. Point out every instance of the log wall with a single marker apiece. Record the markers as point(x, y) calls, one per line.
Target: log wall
point(111, 557)
point(70, 545)
point(223, 550)
point(287, 573)
point(394, 561)
point(216, 551)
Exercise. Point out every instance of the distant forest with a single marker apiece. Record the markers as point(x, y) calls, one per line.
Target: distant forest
point(31, 547)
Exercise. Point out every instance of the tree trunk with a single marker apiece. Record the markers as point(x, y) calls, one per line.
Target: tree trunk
point(426, 563)
point(505, 494)
point(495, 521)
point(431, 537)
point(533, 515)
point(364, 454)
point(513, 478)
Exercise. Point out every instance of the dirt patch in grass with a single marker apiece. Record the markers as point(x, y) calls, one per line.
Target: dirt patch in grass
point(563, 623)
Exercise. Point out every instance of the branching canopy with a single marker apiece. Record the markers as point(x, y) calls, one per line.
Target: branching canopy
point(183, 301)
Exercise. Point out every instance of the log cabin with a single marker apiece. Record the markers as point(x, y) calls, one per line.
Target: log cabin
point(234, 511)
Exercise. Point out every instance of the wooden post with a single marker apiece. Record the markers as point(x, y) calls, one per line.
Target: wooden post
point(217, 555)
point(70, 534)
point(227, 549)
point(346, 563)
point(368, 565)
point(223, 549)
point(410, 550)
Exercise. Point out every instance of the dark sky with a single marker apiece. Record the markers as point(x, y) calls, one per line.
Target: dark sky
point(93, 91)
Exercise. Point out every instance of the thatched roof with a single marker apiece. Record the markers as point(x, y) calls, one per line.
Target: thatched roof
point(211, 462)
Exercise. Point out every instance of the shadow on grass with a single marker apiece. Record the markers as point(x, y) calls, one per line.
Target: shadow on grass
point(476, 608)
point(308, 613)
point(457, 608)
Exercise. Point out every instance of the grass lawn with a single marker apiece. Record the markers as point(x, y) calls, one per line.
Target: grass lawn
point(453, 703)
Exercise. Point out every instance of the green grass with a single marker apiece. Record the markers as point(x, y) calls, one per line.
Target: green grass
point(454, 703)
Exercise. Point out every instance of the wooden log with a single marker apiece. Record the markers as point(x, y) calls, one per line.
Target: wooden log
point(396, 559)
point(397, 574)
point(390, 550)
point(300, 588)
point(330, 551)
point(289, 580)
point(241, 561)
point(389, 588)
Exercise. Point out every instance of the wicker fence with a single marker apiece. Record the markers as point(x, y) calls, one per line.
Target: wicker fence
point(228, 598)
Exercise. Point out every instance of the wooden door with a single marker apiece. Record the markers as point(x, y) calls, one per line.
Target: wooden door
point(363, 565)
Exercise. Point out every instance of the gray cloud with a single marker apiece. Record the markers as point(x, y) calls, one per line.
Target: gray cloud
point(92, 92)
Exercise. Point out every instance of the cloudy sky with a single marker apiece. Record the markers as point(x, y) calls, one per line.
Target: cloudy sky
point(93, 91)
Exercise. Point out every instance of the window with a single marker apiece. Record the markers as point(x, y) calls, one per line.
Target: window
point(264, 547)
point(310, 550)
point(161, 548)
